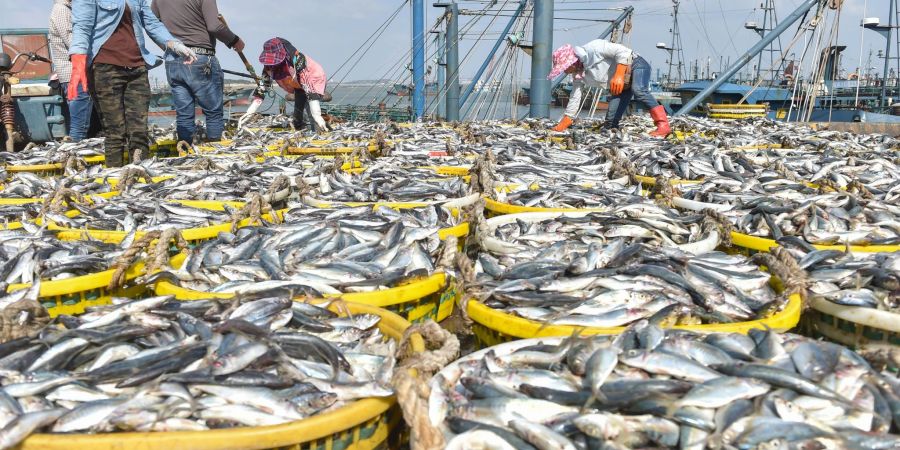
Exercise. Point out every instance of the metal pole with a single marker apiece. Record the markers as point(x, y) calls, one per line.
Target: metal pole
point(452, 96)
point(671, 49)
point(541, 59)
point(887, 55)
point(441, 71)
point(615, 23)
point(746, 57)
point(500, 40)
point(418, 55)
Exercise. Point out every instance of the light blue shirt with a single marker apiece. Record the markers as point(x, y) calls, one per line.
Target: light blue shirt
point(93, 22)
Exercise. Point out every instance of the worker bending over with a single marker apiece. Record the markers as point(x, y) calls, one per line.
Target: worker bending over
point(628, 74)
point(297, 74)
point(197, 24)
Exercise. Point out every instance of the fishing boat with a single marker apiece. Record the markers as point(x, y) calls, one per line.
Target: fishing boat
point(404, 90)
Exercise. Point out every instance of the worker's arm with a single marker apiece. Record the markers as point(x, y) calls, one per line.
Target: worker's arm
point(215, 26)
point(155, 29)
point(84, 15)
point(574, 106)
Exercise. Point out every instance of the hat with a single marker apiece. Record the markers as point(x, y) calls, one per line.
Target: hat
point(563, 58)
point(273, 52)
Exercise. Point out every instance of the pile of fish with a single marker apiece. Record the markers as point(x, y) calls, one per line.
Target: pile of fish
point(384, 183)
point(29, 185)
point(53, 153)
point(27, 254)
point(649, 388)
point(158, 364)
point(611, 269)
point(136, 213)
point(868, 280)
point(818, 218)
point(324, 252)
point(571, 195)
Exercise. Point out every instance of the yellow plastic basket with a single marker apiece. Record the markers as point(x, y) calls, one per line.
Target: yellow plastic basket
point(46, 170)
point(71, 296)
point(28, 201)
point(758, 244)
point(431, 297)
point(495, 208)
point(371, 148)
point(854, 327)
point(450, 171)
point(366, 424)
point(650, 181)
point(454, 204)
point(192, 235)
point(492, 327)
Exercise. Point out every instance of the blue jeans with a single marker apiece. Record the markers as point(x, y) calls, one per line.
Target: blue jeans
point(640, 91)
point(201, 83)
point(79, 113)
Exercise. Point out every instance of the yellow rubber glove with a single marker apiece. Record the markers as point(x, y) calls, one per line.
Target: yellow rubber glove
point(617, 84)
point(564, 124)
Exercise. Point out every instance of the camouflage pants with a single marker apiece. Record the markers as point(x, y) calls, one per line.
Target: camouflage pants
point(123, 97)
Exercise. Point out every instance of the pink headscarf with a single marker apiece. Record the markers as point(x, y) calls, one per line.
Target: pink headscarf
point(563, 58)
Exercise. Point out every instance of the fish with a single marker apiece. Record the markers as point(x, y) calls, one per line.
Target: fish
point(697, 404)
point(611, 269)
point(95, 375)
point(318, 252)
point(863, 280)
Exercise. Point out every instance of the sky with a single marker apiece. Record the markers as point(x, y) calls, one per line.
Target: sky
point(329, 31)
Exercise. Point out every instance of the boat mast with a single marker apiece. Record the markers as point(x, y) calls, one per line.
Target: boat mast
point(747, 57)
point(675, 51)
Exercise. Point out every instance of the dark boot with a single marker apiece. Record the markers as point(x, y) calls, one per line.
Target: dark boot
point(300, 101)
point(114, 158)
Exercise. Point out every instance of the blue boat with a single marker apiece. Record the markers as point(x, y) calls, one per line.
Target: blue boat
point(838, 106)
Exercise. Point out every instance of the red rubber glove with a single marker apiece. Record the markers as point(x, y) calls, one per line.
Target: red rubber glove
point(564, 124)
point(617, 84)
point(79, 76)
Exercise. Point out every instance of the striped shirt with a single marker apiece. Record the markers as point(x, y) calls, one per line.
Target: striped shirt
point(61, 38)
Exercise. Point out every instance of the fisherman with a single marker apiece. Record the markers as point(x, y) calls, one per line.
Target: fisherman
point(80, 109)
point(297, 74)
point(197, 24)
point(628, 74)
point(108, 36)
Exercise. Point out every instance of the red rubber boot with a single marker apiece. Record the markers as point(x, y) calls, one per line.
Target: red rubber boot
point(658, 113)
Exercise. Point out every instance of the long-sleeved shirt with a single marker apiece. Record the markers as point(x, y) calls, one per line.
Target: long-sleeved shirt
point(599, 58)
point(312, 79)
point(61, 38)
point(94, 21)
point(195, 22)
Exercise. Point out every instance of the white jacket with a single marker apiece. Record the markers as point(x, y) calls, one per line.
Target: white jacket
point(599, 58)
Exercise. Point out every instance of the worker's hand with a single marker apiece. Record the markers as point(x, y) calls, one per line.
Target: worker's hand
point(181, 50)
point(564, 124)
point(239, 45)
point(79, 76)
point(617, 84)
